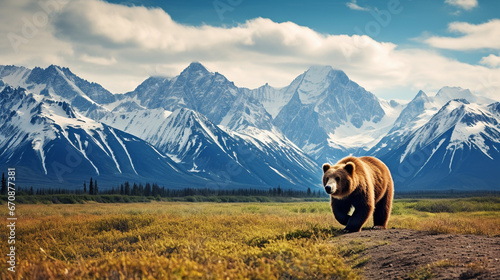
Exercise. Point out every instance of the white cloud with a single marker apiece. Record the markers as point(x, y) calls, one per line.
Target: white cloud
point(491, 61)
point(354, 6)
point(119, 46)
point(475, 36)
point(463, 4)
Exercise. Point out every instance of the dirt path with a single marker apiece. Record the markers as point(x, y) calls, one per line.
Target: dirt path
point(409, 254)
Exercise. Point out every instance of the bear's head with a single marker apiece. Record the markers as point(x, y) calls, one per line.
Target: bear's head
point(338, 179)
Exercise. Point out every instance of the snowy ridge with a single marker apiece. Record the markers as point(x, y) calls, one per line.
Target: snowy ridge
point(418, 113)
point(14, 76)
point(271, 98)
point(58, 84)
point(315, 81)
point(459, 142)
point(473, 130)
point(432, 154)
point(73, 86)
point(64, 141)
point(436, 127)
point(324, 108)
point(191, 140)
point(110, 151)
point(195, 88)
point(125, 149)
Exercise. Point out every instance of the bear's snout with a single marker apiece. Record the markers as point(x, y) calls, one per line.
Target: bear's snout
point(330, 186)
point(328, 189)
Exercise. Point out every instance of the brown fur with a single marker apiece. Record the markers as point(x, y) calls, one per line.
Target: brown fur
point(364, 183)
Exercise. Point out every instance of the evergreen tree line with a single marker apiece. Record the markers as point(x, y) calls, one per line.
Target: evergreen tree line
point(19, 190)
point(156, 191)
point(153, 189)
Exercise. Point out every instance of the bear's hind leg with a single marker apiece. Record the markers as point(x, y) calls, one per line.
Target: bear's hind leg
point(383, 211)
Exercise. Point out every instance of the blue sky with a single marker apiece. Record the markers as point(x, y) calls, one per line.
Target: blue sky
point(415, 19)
point(393, 48)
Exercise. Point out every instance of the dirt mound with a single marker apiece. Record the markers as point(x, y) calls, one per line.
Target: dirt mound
point(409, 254)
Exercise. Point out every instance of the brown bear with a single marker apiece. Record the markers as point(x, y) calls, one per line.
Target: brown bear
point(364, 183)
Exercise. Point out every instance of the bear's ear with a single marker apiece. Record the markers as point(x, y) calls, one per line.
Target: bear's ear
point(326, 166)
point(349, 167)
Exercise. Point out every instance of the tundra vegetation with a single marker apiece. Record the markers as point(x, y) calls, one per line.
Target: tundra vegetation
point(205, 240)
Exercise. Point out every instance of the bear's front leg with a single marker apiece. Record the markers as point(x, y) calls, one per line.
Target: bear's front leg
point(341, 210)
point(359, 217)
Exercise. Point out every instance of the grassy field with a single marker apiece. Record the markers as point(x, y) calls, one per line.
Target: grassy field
point(179, 240)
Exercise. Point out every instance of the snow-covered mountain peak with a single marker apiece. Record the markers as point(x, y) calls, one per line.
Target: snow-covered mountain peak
point(273, 99)
point(56, 69)
point(151, 83)
point(326, 110)
point(453, 93)
point(55, 145)
point(464, 120)
point(13, 76)
point(448, 93)
point(456, 144)
point(57, 108)
point(59, 83)
point(195, 69)
point(45, 76)
point(495, 108)
point(38, 119)
point(317, 73)
point(457, 104)
point(183, 115)
point(316, 80)
point(208, 93)
point(477, 127)
point(421, 95)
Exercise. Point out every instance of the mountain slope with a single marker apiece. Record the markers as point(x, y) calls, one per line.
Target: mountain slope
point(49, 143)
point(459, 147)
point(324, 109)
point(417, 113)
point(227, 157)
point(210, 94)
point(143, 114)
point(271, 98)
point(60, 84)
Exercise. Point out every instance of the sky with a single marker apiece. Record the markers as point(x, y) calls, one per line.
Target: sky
point(393, 48)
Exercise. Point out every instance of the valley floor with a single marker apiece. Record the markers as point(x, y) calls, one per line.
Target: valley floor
point(165, 240)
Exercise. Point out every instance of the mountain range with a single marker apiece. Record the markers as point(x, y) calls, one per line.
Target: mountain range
point(199, 129)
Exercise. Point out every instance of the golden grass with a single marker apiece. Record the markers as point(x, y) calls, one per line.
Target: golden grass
point(161, 240)
point(174, 241)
